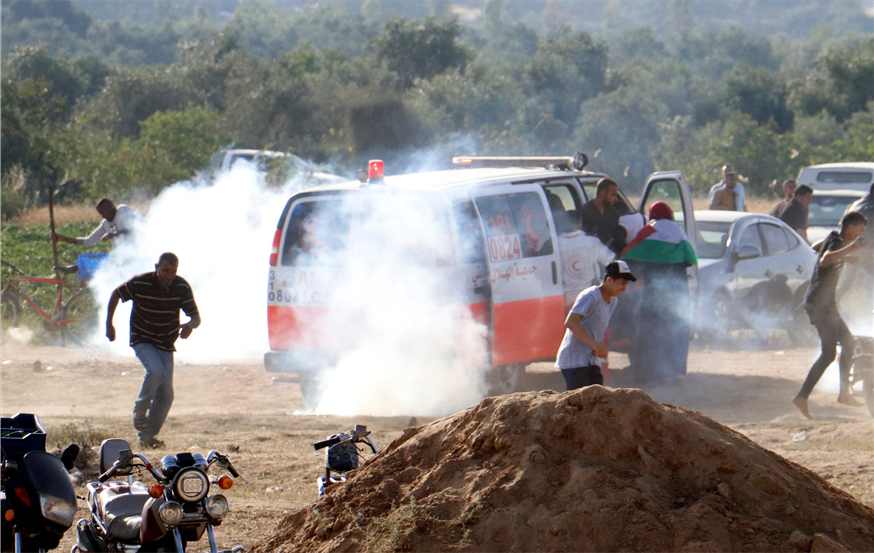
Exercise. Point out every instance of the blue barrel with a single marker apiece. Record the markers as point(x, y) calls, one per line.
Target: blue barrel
point(89, 263)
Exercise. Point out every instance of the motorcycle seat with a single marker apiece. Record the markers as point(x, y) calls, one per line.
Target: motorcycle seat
point(122, 506)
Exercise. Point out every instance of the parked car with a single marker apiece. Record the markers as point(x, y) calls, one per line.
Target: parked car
point(826, 209)
point(753, 271)
point(838, 176)
point(273, 167)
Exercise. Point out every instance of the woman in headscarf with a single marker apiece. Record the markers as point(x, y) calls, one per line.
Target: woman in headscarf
point(661, 252)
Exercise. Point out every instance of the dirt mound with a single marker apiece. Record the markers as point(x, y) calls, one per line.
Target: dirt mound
point(589, 470)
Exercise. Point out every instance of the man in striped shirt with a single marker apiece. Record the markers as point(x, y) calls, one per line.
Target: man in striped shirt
point(154, 327)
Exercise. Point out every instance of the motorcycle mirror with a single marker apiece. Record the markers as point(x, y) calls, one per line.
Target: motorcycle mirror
point(69, 456)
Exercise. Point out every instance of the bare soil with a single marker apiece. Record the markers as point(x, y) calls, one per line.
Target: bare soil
point(87, 395)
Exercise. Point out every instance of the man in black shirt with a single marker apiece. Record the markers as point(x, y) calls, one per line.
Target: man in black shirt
point(154, 327)
point(821, 307)
point(795, 213)
point(601, 219)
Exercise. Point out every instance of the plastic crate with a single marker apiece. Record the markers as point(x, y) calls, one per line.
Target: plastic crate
point(21, 434)
point(89, 263)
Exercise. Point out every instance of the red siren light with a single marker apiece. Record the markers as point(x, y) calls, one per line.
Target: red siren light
point(375, 169)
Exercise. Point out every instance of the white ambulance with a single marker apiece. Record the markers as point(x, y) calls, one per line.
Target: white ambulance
point(491, 230)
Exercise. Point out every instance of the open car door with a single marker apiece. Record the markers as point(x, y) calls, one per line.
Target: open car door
point(671, 187)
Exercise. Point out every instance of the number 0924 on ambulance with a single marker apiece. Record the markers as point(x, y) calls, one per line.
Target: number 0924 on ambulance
point(477, 243)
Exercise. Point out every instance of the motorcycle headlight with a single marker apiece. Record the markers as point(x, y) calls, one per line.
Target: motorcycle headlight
point(57, 510)
point(171, 513)
point(217, 506)
point(191, 484)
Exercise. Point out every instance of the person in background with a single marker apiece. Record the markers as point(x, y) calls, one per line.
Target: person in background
point(789, 186)
point(117, 221)
point(632, 222)
point(661, 252)
point(580, 256)
point(727, 194)
point(601, 218)
point(154, 327)
point(581, 353)
point(821, 306)
point(795, 213)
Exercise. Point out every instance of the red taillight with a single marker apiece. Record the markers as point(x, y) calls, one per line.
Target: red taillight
point(375, 169)
point(156, 490)
point(274, 249)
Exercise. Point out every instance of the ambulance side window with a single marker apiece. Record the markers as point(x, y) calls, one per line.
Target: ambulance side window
point(564, 202)
point(316, 234)
point(470, 234)
point(516, 226)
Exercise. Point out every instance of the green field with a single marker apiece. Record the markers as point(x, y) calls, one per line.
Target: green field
point(29, 248)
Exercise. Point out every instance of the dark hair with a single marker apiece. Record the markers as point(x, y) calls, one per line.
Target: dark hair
point(853, 218)
point(169, 259)
point(787, 181)
point(605, 184)
point(103, 203)
point(803, 190)
point(872, 190)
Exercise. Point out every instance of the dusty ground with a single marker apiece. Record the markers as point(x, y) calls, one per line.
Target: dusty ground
point(88, 393)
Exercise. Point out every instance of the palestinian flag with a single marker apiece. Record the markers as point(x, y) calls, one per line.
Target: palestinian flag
point(661, 241)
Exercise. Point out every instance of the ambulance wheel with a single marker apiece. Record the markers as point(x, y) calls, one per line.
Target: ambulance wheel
point(504, 380)
point(311, 390)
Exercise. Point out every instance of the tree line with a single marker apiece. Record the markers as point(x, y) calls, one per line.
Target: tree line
point(414, 91)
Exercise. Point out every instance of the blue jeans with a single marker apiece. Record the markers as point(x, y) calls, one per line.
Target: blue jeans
point(156, 395)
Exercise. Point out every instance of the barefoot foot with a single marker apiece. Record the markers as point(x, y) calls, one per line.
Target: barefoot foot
point(801, 403)
point(846, 399)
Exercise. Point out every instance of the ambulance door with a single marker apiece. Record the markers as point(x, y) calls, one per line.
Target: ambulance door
point(527, 299)
point(671, 187)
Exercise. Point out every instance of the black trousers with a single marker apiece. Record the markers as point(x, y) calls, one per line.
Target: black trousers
point(582, 376)
point(832, 331)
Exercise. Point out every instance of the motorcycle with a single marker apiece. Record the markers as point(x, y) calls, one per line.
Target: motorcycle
point(863, 369)
point(343, 454)
point(37, 497)
point(165, 516)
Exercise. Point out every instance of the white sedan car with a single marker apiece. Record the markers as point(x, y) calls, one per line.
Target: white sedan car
point(826, 209)
point(754, 271)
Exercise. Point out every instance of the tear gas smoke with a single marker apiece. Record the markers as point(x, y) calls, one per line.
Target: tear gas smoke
point(415, 350)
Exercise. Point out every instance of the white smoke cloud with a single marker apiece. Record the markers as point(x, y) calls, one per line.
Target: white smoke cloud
point(416, 350)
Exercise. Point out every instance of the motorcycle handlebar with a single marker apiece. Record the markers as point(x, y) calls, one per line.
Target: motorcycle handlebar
point(326, 443)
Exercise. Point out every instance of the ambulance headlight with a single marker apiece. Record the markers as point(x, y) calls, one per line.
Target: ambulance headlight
point(217, 506)
point(57, 510)
point(171, 513)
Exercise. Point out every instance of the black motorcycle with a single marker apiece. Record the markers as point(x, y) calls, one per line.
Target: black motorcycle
point(343, 454)
point(166, 516)
point(37, 497)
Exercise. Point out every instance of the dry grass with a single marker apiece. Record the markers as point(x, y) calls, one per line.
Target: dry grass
point(67, 214)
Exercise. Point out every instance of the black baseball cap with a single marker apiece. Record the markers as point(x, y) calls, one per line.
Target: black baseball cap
point(619, 269)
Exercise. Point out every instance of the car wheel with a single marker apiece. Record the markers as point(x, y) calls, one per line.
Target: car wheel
point(717, 321)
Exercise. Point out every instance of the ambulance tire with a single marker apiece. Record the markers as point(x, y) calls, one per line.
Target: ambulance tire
point(505, 379)
point(310, 389)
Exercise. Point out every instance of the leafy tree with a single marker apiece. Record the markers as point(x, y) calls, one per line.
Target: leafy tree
point(263, 29)
point(129, 43)
point(73, 18)
point(420, 50)
point(61, 77)
point(756, 92)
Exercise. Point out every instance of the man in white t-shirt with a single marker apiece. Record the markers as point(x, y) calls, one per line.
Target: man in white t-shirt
point(582, 354)
point(117, 221)
point(580, 255)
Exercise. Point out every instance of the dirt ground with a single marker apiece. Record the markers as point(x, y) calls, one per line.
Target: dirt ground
point(238, 409)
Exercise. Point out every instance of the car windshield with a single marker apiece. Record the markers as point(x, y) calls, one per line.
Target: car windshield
point(826, 211)
point(712, 237)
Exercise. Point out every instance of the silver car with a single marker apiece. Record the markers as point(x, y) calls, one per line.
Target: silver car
point(754, 271)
